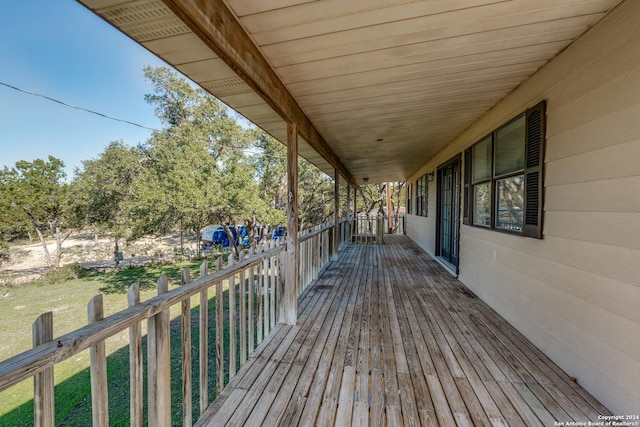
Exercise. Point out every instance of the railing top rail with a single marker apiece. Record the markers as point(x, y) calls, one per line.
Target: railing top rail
point(25, 365)
point(322, 229)
point(315, 232)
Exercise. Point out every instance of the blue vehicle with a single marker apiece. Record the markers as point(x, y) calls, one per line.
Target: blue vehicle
point(207, 237)
point(278, 232)
point(215, 235)
point(243, 234)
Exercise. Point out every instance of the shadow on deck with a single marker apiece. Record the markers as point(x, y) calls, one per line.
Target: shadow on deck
point(387, 337)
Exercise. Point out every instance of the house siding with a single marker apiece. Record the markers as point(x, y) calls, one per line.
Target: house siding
point(575, 293)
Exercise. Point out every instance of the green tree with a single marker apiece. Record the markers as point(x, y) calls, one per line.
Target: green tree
point(8, 226)
point(178, 185)
point(101, 192)
point(196, 168)
point(315, 196)
point(315, 188)
point(271, 174)
point(373, 198)
point(240, 199)
point(35, 193)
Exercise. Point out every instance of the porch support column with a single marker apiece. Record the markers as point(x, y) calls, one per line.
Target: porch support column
point(389, 211)
point(348, 201)
point(354, 226)
point(336, 215)
point(347, 228)
point(289, 297)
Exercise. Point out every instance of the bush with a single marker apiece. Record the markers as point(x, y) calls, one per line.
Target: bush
point(61, 275)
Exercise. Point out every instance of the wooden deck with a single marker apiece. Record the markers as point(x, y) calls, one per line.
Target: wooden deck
point(387, 337)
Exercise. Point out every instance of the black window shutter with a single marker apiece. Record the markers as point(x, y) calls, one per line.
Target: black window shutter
point(466, 194)
point(533, 172)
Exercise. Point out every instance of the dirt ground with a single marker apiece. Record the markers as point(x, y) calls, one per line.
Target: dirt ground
point(27, 262)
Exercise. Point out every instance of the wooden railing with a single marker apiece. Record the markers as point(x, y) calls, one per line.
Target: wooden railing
point(371, 229)
point(250, 290)
point(368, 229)
point(316, 251)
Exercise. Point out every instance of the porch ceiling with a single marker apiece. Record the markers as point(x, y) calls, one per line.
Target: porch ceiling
point(386, 83)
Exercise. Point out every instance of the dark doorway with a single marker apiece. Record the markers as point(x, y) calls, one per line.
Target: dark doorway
point(448, 215)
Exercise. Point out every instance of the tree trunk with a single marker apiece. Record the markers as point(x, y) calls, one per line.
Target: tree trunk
point(47, 256)
point(116, 250)
point(232, 240)
point(58, 256)
point(250, 223)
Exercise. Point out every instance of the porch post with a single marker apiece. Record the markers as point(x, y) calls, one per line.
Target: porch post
point(389, 211)
point(289, 297)
point(354, 223)
point(336, 215)
point(347, 228)
point(348, 201)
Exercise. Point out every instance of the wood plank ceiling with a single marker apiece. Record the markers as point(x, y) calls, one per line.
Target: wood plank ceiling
point(386, 83)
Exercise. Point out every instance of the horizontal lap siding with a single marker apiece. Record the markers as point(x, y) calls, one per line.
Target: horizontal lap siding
point(575, 293)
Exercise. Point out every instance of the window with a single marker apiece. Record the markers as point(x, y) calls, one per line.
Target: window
point(409, 196)
point(422, 194)
point(503, 176)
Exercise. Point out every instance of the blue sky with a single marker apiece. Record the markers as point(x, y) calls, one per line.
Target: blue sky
point(61, 50)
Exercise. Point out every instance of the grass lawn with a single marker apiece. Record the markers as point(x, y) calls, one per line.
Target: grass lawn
point(20, 306)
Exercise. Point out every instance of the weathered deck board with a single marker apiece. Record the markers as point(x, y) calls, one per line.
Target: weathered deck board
point(387, 337)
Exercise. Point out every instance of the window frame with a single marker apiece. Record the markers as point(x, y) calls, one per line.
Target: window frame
point(531, 173)
point(422, 196)
point(482, 181)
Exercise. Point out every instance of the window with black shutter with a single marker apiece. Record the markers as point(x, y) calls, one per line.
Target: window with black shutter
point(422, 196)
point(503, 175)
point(533, 172)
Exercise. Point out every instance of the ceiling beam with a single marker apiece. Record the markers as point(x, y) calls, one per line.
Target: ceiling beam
point(213, 22)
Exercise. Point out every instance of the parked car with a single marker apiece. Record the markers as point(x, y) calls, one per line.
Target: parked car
point(207, 237)
point(216, 235)
point(243, 234)
point(278, 232)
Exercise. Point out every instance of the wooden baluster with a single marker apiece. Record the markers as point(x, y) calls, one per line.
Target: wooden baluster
point(243, 314)
point(302, 268)
point(306, 272)
point(310, 267)
point(232, 319)
point(98, 361)
point(158, 362)
point(322, 249)
point(281, 273)
point(308, 260)
point(316, 257)
point(186, 354)
point(219, 331)
point(43, 387)
point(135, 361)
point(265, 291)
point(259, 322)
point(250, 305)
point(204, 342)
point(301, 264)
point(272, 293)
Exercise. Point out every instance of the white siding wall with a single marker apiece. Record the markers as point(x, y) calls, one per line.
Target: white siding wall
point(576, 293)
point(423, 229)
